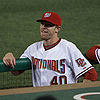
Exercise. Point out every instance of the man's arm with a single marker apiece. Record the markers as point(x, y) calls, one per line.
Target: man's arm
point(91, 75)
point(90, 54)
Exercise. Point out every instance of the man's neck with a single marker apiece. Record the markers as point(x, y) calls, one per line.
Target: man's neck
point(50, 41)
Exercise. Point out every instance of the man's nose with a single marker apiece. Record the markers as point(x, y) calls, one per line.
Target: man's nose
point(43, 26)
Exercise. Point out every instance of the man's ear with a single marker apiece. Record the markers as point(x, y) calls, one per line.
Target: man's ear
point(57, 29)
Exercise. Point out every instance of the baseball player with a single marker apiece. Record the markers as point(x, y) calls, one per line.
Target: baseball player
point(93, 53)
point(55, 61)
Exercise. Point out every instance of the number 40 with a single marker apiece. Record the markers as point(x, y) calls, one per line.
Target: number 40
point(61, 78)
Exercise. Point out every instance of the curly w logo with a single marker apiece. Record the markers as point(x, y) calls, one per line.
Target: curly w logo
point(47, 15)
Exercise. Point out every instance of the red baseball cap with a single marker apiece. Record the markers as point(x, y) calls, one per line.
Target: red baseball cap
point(51, 17)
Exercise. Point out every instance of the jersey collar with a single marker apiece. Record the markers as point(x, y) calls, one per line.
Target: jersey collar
point(51, 46)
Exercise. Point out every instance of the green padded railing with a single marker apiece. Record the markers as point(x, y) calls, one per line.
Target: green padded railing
point(21, 64)
point(24, 64)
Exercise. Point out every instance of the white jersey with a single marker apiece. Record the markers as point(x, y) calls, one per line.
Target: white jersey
point(61, 64)
point(97, 53)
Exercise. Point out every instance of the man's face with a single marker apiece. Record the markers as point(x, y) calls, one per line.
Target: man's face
point(47, 30)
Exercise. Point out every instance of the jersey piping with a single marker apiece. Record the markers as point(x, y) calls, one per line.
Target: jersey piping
point(51, 46)
point(97, 55)
point(86, 70)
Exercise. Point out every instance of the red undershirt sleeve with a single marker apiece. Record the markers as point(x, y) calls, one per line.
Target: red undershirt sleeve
point(91, 75)
point(91, 53)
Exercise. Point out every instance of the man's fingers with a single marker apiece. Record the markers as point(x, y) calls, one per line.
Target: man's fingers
point(14, 62)
point(11, 64)
point(9, 60)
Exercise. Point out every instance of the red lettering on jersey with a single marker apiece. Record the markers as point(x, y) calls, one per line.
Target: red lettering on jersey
point(54, 81)
point(37, 61)
point(33, 62)
point(81, 62)
point(44, 64)
point(57, 67)
point(40, 63)
point(64, 78)
point(53, 64)
point(49, 64)
point(62, 63)
point(60, 80)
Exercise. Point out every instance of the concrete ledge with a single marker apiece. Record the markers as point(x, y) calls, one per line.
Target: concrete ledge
point(49, 88)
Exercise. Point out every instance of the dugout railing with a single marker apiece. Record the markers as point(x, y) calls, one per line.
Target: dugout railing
point(7, 80)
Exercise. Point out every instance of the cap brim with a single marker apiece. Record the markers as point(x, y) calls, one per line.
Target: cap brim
point(40, 20)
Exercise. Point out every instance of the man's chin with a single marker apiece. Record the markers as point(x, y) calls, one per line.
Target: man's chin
point(44, 38)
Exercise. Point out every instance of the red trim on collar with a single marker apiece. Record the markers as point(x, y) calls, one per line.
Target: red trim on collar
point(51, 46)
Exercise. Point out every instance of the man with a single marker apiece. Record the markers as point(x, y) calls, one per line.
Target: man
point(93, 53)
point(54, 60)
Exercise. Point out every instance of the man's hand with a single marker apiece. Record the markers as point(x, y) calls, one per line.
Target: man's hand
point(9, 60)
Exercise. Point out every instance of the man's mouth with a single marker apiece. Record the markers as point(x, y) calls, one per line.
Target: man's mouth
point(44, 31)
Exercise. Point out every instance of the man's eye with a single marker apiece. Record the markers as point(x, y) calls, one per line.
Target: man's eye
point(47, 24)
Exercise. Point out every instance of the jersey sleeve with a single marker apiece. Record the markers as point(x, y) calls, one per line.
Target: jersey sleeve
point(26, 54)
point(29, 52)
point(93, 53)
point(97, 52)
point(79, 63)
